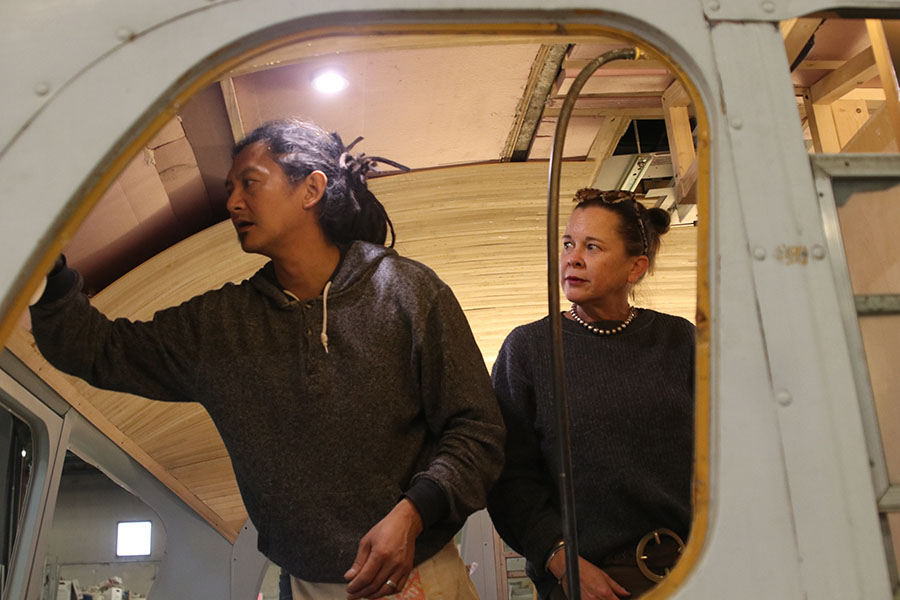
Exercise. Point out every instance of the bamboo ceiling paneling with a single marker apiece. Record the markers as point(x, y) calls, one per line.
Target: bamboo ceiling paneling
point(480, 227)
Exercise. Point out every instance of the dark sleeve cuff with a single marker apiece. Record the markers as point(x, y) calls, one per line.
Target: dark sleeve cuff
point(430, 501)
point(60, 281)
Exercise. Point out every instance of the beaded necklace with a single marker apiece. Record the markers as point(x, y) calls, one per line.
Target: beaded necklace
point(632, 312)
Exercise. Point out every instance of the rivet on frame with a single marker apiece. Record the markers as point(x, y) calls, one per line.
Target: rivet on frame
point(784, 398)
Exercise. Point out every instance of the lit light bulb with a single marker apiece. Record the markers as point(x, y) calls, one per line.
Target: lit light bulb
point(24, 453)
point(329, 81)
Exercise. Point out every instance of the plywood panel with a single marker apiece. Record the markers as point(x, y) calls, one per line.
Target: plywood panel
point(385, 104)
point(868, 229)
point(636, 85)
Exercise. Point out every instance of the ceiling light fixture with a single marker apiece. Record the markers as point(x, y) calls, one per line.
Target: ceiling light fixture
point(329, 81)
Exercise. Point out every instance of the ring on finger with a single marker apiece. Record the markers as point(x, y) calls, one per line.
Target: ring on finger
point(390, 584)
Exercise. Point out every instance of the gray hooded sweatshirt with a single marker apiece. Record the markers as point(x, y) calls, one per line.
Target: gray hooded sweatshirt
point(326, 432)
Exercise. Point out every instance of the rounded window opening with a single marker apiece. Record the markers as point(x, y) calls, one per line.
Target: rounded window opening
point(472, 119)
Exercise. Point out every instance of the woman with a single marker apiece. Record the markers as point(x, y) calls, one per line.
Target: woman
point(630, 385)
point(343, 378)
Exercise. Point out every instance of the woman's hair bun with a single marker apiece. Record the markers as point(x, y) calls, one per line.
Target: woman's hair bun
point(659, 219)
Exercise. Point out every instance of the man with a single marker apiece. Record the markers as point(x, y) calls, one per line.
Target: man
point(343, 378)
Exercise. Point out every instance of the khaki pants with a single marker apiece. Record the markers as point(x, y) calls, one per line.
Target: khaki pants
point(441, 577)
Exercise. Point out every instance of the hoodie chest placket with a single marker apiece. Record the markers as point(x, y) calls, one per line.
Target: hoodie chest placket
point(308, 329)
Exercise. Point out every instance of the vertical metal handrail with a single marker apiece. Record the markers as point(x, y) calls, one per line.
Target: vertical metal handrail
point(564, 450)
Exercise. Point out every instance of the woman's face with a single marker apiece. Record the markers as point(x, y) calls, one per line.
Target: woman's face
point(593, 264)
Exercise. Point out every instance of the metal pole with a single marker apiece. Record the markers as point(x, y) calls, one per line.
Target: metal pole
point(567, 502)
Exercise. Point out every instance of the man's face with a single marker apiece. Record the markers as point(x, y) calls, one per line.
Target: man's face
point(265, 208)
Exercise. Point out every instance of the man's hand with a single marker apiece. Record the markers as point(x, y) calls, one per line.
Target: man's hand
point(595, 583)
point(385, 554)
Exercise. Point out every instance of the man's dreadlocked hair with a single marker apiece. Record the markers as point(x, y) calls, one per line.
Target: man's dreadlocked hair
point(348, 211)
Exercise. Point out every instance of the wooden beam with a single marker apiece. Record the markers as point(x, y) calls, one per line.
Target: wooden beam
point(632, 85)
point(821, 125)
point(544, 71)
point(611, 131)
point(676, 95)
point(796, 34)
point(234, 111)
point(877, 135)
point(678, 129)
point(635, 107)
point(631, 113)
point(607, 138)
point(866, 93)
point(821, 65)
point(687, 185)
point(849, 116)
point(858, 70)
point(886, 73)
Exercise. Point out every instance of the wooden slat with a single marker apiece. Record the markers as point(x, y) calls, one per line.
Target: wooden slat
point(681, 140)
point(796, 33)
point(858, 71)
point(863, 93)
point(634, 85)
point(886, 73)
point(626, 113)
point(687, 184)
point(821, 65)
point(635, 107)
point(605, 142)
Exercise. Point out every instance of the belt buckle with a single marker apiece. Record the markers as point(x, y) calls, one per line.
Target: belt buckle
point(641, 558)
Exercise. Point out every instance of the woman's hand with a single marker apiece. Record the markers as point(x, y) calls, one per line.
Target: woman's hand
point(595, 583)
point(385, 554)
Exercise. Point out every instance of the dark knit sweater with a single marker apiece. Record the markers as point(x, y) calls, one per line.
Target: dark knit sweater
point(323, 444)
point(631, 399)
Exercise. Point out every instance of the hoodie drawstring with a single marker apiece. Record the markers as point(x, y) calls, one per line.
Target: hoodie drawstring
point(324, 336)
